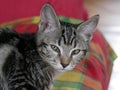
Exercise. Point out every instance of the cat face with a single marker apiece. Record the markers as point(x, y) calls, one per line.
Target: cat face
point(65, 52)
point(63, 45)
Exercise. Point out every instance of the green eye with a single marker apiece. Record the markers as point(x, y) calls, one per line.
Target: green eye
point(75, 52)
point(55, 48)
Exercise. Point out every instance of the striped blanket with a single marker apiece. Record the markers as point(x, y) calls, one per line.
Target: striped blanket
point(91, 73)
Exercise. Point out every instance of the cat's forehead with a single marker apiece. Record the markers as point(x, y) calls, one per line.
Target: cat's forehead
point(69, 38)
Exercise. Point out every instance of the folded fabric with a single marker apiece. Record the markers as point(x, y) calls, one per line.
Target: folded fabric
point(91, 73)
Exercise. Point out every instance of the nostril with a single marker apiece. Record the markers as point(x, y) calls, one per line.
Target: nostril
point(64, 65)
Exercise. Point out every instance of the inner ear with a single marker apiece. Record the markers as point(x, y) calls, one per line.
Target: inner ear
point(49, 26)
point(48, 18)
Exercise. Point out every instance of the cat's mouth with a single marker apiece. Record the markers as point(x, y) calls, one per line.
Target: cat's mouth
point(62, 70)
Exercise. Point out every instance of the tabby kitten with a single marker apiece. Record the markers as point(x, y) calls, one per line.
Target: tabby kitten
point(30, 61)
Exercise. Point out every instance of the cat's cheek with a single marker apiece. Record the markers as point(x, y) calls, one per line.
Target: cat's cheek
point(52, 53)
point(58, 67)
point(78, 57)
point(75, 59)
point(55, 63)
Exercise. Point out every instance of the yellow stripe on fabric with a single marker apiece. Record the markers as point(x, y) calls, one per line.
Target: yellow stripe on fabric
point(36, 19)
point(64, 88)
point(28, 20)
point(70, 77)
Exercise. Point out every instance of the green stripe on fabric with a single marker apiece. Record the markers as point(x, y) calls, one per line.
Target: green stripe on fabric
point(7, 26)
point(60, 84)
point(113, 56)
point(69, 20)
point(81, 80)
point(36, 19)
point(10, 26)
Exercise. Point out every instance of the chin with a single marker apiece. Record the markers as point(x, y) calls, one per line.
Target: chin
point(64, 70)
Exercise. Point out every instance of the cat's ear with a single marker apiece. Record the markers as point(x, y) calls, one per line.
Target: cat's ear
point(87, 28)
point(48, 19)
point(49, 26)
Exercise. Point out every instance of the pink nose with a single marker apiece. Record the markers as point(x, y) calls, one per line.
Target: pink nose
point(65, 61)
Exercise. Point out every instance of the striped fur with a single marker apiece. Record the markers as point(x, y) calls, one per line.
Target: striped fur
point(23, 68)
point(68, 33)
point(31, 61)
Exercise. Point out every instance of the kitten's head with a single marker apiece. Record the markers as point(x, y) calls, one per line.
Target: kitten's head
point(63, 45)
